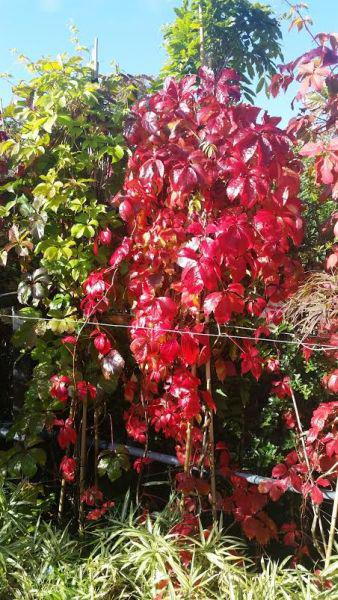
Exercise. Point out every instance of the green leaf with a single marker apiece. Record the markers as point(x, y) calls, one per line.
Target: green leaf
point(111, 466)
point(28, 465)
point(88, 231)
point(62, 325)
point(51, 253)
point(260, 85)
point(114, 470)
point(67, 252)
point(5, 210)
point(39, 456)
point(49, 124)
point(78, 230)
point(116, 153)
point(65, 120)
point(3, 258)
point(250, 70)
point(24, 292)
point(5, 146)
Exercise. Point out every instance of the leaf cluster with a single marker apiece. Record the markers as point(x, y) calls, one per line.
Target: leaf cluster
point(238, 34)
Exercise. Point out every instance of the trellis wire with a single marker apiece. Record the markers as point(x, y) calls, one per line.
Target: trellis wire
point(132, 315)
point(314, 347)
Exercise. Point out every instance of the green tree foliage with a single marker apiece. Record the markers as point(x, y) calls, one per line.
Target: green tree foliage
point(62, 156)
point(237, 33)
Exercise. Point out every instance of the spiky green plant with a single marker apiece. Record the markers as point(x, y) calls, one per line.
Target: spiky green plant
point(129, 559)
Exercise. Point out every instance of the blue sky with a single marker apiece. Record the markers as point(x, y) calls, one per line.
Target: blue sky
point(129, 32)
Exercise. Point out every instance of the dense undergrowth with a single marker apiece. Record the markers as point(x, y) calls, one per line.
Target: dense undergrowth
point(136, 558)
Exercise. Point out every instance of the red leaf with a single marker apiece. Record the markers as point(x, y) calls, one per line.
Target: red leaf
point(209, 401)
point(102, 343)
point(183, 179)
point(189, 348)
point(331, 448)
point(279, 471)
point(332, 381)
point(311, 149)
point(167, 307)
point(169, 350)
point(126, 210)
point(323, 482)
point(120, 253)
point(69, 339)
point(187, 258)
point(326, 170)
point(316, 495)
point(277, 490)
point(211, 302)
point(223, 310)
point(260, 527)
point(68, 468)
point(296, 481)
point(235, 187)
point(66, 436)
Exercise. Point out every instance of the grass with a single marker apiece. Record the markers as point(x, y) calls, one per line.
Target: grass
point(314, 304)
point(129, 559)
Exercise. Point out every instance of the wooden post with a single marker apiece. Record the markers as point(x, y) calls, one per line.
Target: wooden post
point(201, 30)
point(95, 60)
point(333, 526)
point(211, 437)
point(96, 440)
point(83, 457)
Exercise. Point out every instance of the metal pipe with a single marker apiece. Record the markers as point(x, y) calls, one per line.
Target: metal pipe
point(172, 460)
point(167, 459)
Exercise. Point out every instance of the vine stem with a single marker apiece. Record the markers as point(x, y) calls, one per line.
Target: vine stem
point(146, 450)
point(332, 528)
point(96, 441)
point(315, 508)
point(297, 11)
point(63, 481)
point(188, 443)
point(211, 438)
point(188, 439)
point(73, 404)
point(62, 498)
point(83, 452)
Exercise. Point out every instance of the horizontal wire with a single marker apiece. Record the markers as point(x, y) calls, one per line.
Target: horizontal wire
point(246, 328)
point(314, 347)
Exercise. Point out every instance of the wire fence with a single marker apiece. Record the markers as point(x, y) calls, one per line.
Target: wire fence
point(295, 341)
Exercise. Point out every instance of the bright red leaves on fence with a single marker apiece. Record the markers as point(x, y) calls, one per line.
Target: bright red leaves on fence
point(210, 201)
point(316, 130)
point(211, 210)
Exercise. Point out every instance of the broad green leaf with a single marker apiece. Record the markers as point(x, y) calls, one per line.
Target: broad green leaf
point(51, 253)
point(3, 258)
point(49, 124)
point(24, 292)
point(77, 230)
point(62, 325)
point(116, 153)
point(39, 456)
